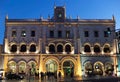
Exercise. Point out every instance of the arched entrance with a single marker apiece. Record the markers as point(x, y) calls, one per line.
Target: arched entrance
point(88, 69)
point(51, 66)
point(12, 67)
point(68, 68)
point(98, 68)
point(109, 68)
point(22, 66)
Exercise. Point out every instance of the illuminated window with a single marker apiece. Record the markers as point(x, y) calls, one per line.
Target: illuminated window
point(67, 34)
point(23, 33)
point(14, 33)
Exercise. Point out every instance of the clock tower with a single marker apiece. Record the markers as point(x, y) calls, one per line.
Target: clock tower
point(59, 14)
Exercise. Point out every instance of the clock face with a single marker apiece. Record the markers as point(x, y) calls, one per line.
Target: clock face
point(60, 15)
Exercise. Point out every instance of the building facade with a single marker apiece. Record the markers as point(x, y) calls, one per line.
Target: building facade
point(60, 44)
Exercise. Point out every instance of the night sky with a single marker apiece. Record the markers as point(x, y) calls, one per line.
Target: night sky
point(33, 9)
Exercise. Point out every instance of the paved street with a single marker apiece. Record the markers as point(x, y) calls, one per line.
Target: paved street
point(90, 79)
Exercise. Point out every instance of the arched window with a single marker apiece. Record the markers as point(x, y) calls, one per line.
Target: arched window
point(13, 48)
point(87, 48)
point(107, 49)
point(67, 48)
point(96, 49)
point(32, 48)
point(59, 48)
point(23, 48)
point(51, 48)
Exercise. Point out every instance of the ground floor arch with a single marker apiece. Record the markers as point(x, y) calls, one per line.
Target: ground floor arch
point(98, 68)
point(50, 64)
point(69, 66)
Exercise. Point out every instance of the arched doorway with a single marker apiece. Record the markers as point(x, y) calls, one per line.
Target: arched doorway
point(88, 69)
point(32, 67)
point(12, 67)
point(98, 68)
point(51, 66)
point(109, 68)
point(68, 68)
point(22, 66)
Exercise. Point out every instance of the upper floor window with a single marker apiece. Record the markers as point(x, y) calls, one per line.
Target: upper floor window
point(23, 33)
point(23, 48)
point(106, 34)
point(51, 48)
point(51, 33)
point(87, 48)
point(32, 48)
point(106, 49)
point(86, 33)
point(13, 48)
point(32, 33)
point(67, 34)
point(59, 48)
point(67, 48)
point(96, 34)
point(14, 33)
point(97, 49)
point(59, 34)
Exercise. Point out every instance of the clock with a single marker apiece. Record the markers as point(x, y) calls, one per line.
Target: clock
point(60, 15)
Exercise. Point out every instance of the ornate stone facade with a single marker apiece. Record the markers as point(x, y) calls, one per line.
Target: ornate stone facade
point(60, 44)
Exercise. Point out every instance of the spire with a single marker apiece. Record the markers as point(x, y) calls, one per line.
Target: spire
point(113, 18)
point(48, 16)
point(41, 17)
point(78, 17)
point(6, 16)
point(54, 5)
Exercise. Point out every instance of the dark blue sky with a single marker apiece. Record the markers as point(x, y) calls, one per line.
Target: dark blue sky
point(33, 9)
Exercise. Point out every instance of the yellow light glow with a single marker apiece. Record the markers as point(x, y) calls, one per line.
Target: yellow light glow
point(72, 52)
point(47, 51)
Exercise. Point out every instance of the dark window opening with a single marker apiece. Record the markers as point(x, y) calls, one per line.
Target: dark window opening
point(67, 48)
point(96, 49)
point(107, 49)
point(51, 48)
point(105, 34)
point(86, 33)
point(96, 34)
point(32, 33)
point(13, 48)
point(59, 34)
point(51, 34)
point(59, 48)
point(87, 48)
point(32, 48)
point(23, 48)
point(14, 33)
